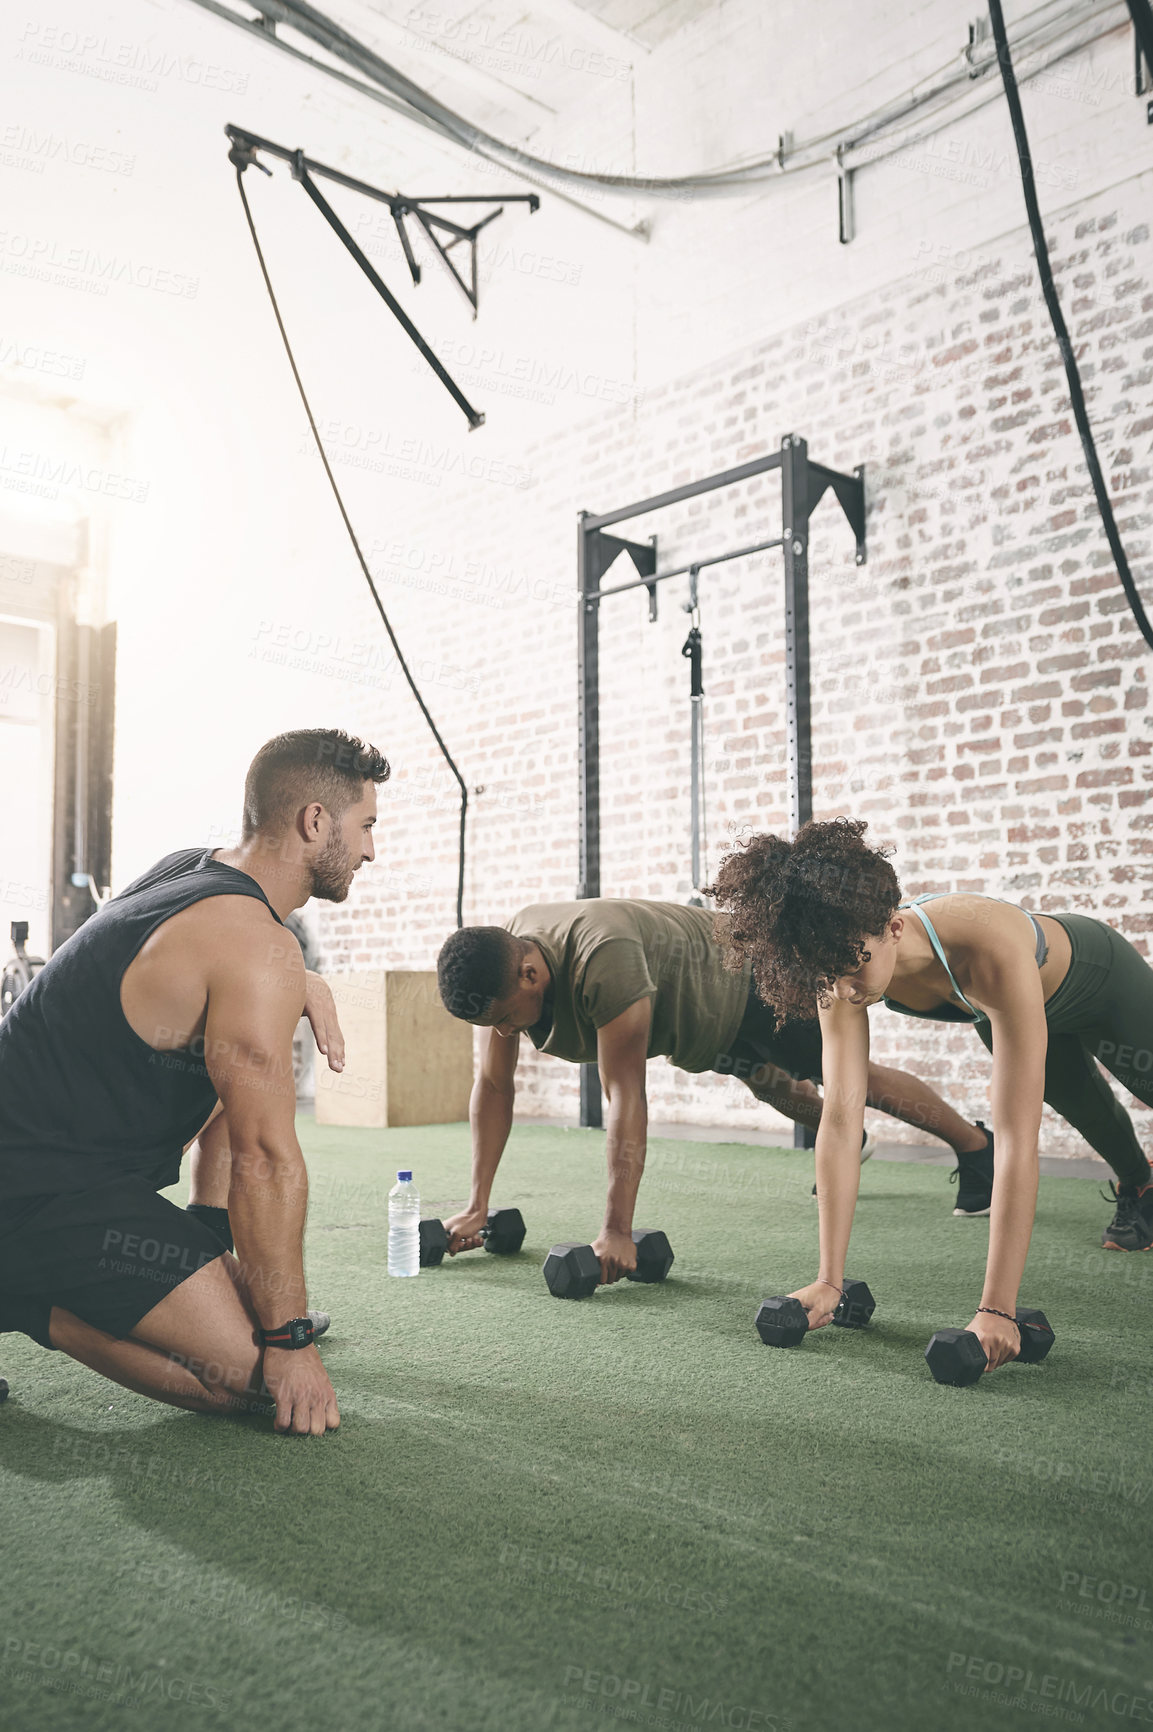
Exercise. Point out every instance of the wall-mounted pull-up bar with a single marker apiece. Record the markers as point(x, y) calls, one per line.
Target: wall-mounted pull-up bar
point(650, 583)
point(802, 486)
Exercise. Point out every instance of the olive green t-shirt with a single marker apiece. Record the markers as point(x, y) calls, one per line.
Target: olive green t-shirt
point(606, 953)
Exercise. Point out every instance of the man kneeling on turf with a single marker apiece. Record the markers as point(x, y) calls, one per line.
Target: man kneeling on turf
point(184, 988)
point(615, 983)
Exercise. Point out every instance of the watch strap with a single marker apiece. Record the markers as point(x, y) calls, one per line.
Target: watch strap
point(297, 1332)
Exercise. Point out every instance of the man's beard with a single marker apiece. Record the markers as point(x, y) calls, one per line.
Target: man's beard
point(332, 872)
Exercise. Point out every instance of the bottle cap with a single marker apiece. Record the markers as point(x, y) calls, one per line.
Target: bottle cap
point(402, 1177)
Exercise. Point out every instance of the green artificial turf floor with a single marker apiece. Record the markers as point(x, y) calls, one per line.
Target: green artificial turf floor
point(625, 1511)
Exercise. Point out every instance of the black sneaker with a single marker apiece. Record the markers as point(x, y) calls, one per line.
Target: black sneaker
point(973, 1177)
point(1131, 1228)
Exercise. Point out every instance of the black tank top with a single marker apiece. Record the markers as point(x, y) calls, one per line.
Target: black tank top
point(83, 1099)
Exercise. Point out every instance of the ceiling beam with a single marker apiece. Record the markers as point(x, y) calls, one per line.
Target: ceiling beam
point(574, 20)
point(443, 57)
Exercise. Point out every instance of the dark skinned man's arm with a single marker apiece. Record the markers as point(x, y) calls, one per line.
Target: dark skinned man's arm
point(490, 1111)
point(622, 1052)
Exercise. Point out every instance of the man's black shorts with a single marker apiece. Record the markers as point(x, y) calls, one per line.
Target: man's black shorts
point(796, 1048)
point(108, 1255)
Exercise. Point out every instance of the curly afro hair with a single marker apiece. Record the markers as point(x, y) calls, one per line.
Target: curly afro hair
point(476, 966)
point(801, 911)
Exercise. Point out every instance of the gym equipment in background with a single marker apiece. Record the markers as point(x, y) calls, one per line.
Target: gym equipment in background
point(19, 969)
point(242, 153)
point(803, 485)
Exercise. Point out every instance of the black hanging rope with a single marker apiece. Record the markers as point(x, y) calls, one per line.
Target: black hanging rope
point(1142, 16)
point(1048, 288)
point(405, 669)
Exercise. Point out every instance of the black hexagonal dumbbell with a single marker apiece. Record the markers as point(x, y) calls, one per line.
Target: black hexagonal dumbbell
point(1036, 1335)
point(956, 1357)
point(503, 1233)
point(856, 1307)
point(783, 1322)
point(3, 1389)
point(574, 1271)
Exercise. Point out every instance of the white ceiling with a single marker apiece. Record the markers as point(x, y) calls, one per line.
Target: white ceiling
point(648, 22)
point(511, 66)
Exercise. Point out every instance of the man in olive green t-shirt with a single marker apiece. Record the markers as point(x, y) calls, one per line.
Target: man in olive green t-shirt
point(615, 983)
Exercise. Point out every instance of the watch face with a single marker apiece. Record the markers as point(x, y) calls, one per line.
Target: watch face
point(301, 1331)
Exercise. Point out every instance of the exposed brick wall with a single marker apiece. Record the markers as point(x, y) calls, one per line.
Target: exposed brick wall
point(979, 687)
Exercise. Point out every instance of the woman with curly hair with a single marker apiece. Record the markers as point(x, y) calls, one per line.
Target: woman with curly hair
point(822, 921)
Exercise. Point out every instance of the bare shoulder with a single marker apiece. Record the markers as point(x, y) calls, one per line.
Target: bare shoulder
point(982, 926)
point(242, 914)
point(220, 945)
point(992, 947)
point(247, 942)
point(221, 938)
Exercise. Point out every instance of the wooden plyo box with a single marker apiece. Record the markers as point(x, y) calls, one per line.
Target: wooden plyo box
point(407, 1061)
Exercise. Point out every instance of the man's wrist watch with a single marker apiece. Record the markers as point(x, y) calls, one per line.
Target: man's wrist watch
point(297, 1332)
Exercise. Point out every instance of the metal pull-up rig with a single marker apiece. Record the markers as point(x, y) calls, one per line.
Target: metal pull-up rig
point(803, 484)
point(243, 149)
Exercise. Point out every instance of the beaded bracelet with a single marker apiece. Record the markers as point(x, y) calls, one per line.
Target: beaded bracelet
point(831, 1284)
point(993, 1312)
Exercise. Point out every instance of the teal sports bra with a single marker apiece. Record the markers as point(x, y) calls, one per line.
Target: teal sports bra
point(954, 1012)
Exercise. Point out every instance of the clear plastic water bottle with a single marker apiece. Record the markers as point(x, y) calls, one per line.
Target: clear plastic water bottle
point(404, 1226)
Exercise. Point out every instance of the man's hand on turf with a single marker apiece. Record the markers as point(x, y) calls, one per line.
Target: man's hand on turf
point(320, 1009)
point(464, 1230)
point(617, 1253)
point(820, 1300)
point(1000, 1338)
point(298, 1383)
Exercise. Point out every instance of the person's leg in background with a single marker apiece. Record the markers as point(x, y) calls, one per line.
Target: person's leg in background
point(1123, 1043)
point(1076, 1089)
point(895, 1092)
point(898, 1093)
point(909, 1098)
point(209, 1177)
point(1102, 1015)
point(793, 1097)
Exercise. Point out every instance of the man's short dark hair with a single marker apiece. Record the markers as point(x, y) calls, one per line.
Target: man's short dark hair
point(477, 966)
point(291, 771)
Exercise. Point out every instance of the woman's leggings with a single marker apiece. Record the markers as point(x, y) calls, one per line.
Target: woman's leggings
point(1103, 1009)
